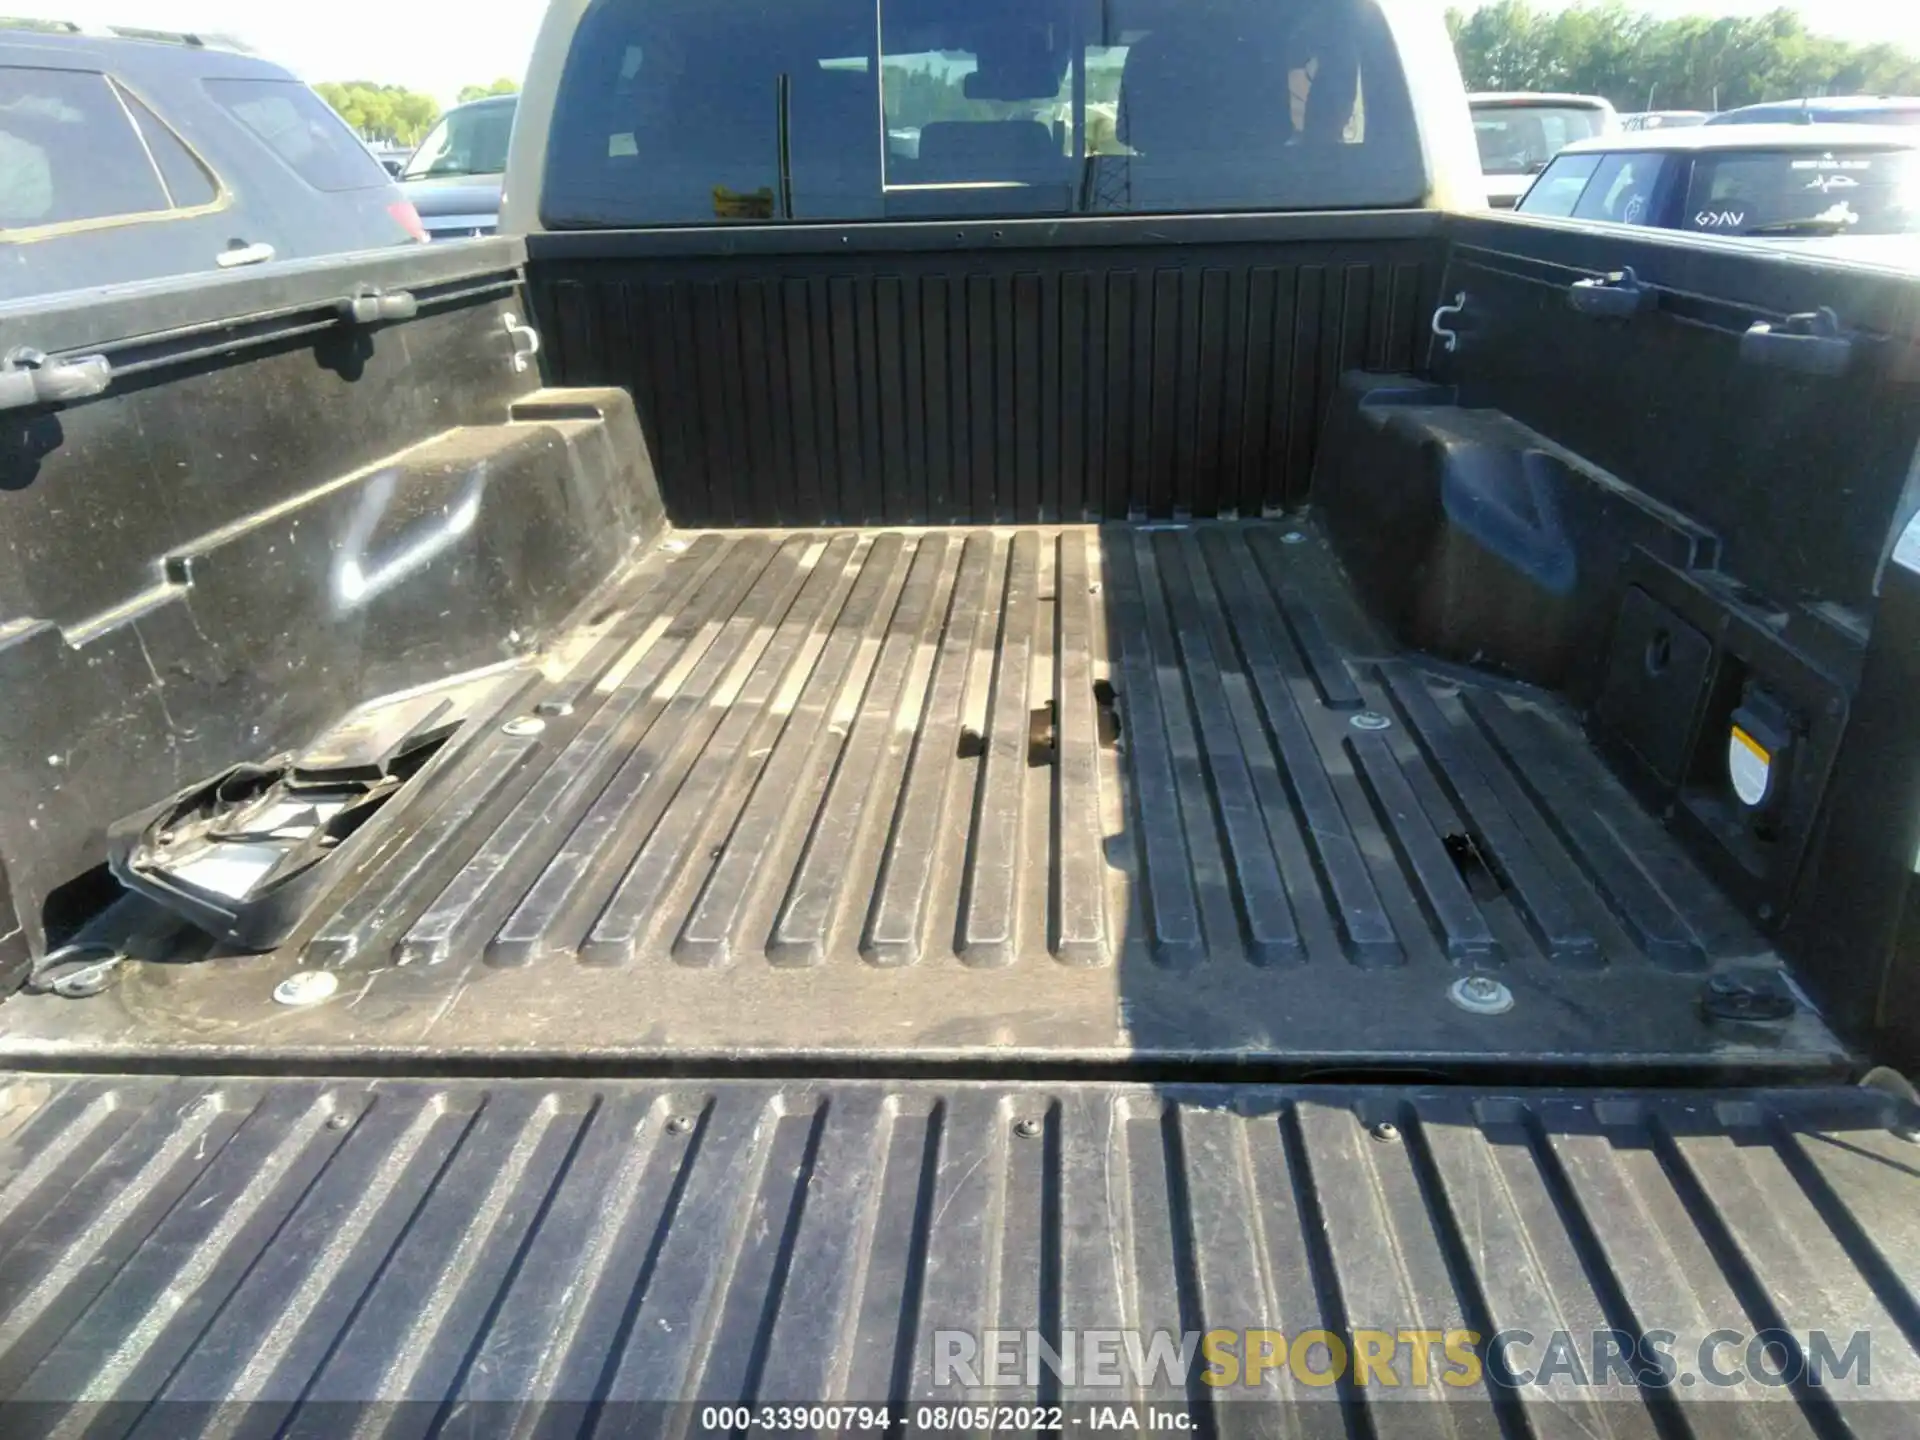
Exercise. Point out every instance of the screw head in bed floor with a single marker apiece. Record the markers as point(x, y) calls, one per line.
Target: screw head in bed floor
point(308, 987)
point(1480, 995)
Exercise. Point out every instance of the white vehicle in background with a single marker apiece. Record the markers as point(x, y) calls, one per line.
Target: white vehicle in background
point(1844, 190)
point(1519, 133)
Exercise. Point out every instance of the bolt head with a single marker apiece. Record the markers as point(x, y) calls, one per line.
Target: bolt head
point(1371, 721)
point(1386, 1132)
point(680, 1125)
point(1293, 537)
point(1027, 1128)
point(524, 726)
point(1480, 995)
point(307, 987)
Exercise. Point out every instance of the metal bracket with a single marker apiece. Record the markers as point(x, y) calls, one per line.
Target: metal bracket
point(1447, 335)
point(526, 342)
point(1811, 344)
point(1618, 296)
point(30, 377)
point(370, 305)
point(76, 972)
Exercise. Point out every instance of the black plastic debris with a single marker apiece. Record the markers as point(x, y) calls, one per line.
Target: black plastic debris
point(244, 855)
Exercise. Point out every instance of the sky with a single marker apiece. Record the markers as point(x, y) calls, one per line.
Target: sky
point(431, 45)
point(440, 45)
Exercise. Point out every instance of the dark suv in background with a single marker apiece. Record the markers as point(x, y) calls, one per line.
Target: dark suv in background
point(130, 155)
point(1828, 110)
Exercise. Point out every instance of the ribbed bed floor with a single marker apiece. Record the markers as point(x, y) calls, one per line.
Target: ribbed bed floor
point(1072, 793)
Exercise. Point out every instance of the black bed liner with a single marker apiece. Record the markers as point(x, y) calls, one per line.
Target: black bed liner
point(1069, 794)
point(235, 1249)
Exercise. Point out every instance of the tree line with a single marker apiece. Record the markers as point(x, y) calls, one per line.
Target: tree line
point(393, 114)
point(1693, 63)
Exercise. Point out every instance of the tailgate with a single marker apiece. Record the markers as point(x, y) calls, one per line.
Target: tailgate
point(611, 1245)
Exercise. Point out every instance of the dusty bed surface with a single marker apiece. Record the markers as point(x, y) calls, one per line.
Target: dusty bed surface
point(1071, 794)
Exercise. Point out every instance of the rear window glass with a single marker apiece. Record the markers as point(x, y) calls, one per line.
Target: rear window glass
point(69, 151)
point(687, 112)
point(1521, 139)
point(297, 125)
point(1861, 192)
point(1560, 187)
point(1623, 189)
point(188, 181)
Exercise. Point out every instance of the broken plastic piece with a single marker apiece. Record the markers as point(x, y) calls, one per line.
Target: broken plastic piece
point(242, 856)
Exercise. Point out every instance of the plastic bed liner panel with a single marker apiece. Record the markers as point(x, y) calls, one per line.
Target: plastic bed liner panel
point(1069, 794)
point(248, 1257)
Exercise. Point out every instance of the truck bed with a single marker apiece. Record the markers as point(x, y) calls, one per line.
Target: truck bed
point(1078, 795)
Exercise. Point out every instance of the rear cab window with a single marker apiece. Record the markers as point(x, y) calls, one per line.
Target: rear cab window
point(297, 125)
point(691, 112)
point(79, 150)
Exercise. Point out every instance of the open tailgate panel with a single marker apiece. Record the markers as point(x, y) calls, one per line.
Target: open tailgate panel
point(465, 1244)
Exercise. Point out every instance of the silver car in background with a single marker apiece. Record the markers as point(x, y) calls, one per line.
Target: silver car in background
point(138, 154)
